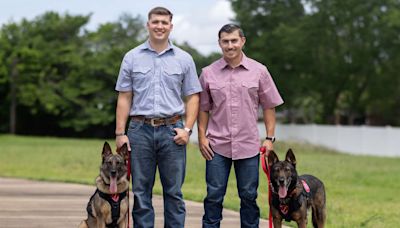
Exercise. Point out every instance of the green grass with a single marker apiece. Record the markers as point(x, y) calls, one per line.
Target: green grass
point(362, 191)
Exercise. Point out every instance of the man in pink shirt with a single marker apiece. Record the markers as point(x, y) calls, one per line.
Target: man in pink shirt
point(233, 88)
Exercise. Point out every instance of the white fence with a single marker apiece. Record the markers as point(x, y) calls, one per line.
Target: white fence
point(378, 141)
point(366, 140)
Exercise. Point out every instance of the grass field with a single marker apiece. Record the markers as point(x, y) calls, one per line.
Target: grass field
point(362, 191)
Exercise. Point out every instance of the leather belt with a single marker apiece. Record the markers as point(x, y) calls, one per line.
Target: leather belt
point(155, 122)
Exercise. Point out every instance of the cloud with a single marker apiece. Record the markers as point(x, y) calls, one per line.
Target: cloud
point(200, 27)
point(196, 22)
point(222, 11)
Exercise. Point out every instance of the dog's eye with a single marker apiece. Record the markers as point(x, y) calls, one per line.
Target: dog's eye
point(287, 169)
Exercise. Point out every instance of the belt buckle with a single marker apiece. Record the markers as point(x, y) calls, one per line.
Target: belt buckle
point(152, 122)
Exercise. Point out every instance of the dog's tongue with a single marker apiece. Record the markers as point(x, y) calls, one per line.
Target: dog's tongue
point(282, 191)
point(113, 185)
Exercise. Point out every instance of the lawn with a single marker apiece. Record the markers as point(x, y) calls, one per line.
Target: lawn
point(362, 191)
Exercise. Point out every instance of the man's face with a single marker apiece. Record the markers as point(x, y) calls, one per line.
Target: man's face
point(231, 44)
point(159, 27)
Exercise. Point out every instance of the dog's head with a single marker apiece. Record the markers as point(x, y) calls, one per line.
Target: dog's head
point(113, 168)
point(283, 174)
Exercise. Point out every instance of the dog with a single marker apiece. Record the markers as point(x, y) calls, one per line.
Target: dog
point(292, 195)
point(108, 206)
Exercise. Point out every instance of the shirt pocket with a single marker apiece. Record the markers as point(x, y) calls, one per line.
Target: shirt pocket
point(173, 77)
point(141, 77)
point(218, 93)
point(250, 92)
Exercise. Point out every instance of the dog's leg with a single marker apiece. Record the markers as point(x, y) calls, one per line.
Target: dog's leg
point(122, 224)
point(83, 224)
point(277, 222)
point(318, 217)
point(302, 223)
point(319, 208)
point(101, 224)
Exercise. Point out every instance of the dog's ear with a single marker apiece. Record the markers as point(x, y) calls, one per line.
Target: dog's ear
point(272, 158)
point(123, 151)
point(290, 157)
point(106, 150)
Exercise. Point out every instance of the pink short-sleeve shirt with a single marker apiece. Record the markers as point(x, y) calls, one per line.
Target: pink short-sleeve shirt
point(232, 97)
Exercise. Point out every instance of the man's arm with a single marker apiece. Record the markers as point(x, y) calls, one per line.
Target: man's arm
point(269, 121)
point(192, 109)
point(124, 103)
point(204, 145)
point(191, 112)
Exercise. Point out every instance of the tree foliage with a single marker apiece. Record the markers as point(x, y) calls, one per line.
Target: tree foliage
point(333, 60)
point(64, 75)
point(57, 78)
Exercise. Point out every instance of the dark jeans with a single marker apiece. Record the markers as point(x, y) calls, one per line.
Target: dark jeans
point(217, 173)
point(152, 147)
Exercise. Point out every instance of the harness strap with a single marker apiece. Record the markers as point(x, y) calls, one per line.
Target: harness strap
point(289, 204)
point(305, 186)
point(115, 206)
point(89, 205)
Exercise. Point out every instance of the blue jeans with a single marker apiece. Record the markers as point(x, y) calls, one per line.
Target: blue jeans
point(152, 147)
point(217, 174)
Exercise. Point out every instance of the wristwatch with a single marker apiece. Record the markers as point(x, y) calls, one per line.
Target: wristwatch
point(188, 130)
point(272, 139)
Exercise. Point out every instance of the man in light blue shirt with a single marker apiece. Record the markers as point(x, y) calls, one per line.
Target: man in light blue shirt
point(151, 83)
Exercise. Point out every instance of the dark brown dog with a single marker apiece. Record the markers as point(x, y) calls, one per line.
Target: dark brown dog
point(292, 195)
point(108, 206)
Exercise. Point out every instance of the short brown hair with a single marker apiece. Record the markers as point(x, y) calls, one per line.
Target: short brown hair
point(160, 11)
point(229, 28)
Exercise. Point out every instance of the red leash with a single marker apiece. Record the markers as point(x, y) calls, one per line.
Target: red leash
point(264, 164)
point(129, 180)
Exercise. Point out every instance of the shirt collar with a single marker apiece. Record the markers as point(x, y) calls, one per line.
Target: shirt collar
point(244, 62)
point(146, 45)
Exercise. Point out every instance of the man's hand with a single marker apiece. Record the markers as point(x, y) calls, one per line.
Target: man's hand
point(181, 137)
point(205, 148)
point(120, 140)
point(267, 144)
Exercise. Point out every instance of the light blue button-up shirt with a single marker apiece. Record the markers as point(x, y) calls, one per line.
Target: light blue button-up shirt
point(158, 80)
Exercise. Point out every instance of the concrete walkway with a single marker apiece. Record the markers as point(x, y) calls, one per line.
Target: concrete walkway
point(25, 203)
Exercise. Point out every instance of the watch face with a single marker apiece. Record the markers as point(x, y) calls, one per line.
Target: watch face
point(188, 130)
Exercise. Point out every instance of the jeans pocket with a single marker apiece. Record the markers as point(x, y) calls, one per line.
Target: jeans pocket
point(135, 126)
point(171, 127)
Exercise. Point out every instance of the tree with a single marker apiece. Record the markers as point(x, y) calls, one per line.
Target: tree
point(95, 97)
point(63, 76)
point(333, 60)
point(200, 60)
point(273, 31)
point(353, 51)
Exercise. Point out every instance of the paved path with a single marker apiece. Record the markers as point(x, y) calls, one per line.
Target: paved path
point(33, 204)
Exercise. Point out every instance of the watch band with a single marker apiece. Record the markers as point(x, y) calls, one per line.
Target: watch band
point(272, 139)
point(119, 134)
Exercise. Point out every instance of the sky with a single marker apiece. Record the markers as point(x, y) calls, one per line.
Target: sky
point(196, 22)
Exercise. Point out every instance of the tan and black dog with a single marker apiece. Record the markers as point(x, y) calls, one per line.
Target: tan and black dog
point(108, 206)
point(292, 195)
